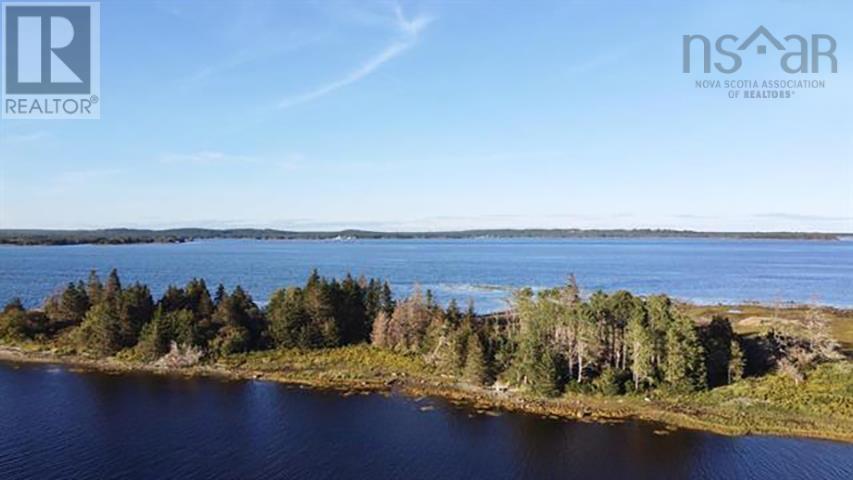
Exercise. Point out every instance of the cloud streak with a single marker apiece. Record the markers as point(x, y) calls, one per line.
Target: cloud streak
point(804, 217)
point(410, 31)
point(23, 137)
point(289, 162)
point(77, 180)
point(205, 158)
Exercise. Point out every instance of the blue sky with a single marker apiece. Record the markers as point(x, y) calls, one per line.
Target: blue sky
point(436, 115)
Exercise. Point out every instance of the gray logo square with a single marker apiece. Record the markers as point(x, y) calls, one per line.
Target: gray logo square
point(48, 49)
point(51, 60)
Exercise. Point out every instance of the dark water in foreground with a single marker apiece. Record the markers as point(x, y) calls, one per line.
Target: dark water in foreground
point(58, 424)
point(703, 270)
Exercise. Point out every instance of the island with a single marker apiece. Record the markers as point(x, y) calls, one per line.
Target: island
point(120, 236)
point(747, 369)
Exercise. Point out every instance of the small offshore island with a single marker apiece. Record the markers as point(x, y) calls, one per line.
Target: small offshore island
point(732, 370)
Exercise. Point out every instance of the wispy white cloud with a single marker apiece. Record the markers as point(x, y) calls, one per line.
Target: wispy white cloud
point(802, 216)
point(409, 29)
point(287, 162)
point(362, 71)
point(250, 34)
point(598, 61)
point(22, 137)
point(248, 55)
point(77, 180)
point(206, 158)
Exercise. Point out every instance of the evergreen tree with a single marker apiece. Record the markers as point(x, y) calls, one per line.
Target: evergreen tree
point(173, 299)
point(475, 371)
point(660, 317)
point(14, 305)
point(289, 322)
point(534, 365)
point(351, 312)
point(230, 339)
point(94, 288)
point(198, 299)
point(541, 369)
point(318, 304)
point(135, 310)
point(69, 307)
point(247, 314)
point(685, 366)
point(372, 298)
point(99, 332)
point(452, 315)
point(112, 291)
point(221, 294)
point(13, 320)
point(717, 339)
point(155, 337)
point(241, 323)
point(622, 308)
point(387, 300)
point(183, 328)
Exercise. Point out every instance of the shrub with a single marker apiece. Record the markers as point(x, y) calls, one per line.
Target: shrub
point(611, 381)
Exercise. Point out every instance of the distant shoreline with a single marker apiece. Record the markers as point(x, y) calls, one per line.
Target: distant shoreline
point(123, 236)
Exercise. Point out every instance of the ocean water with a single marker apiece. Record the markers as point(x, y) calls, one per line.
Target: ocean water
point(483, 271)
point(57, 424)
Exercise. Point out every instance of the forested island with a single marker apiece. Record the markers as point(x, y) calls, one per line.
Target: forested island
point(118, 236)
point(556, 352)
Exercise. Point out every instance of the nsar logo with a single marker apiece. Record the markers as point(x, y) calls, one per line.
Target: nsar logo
point(802, 54)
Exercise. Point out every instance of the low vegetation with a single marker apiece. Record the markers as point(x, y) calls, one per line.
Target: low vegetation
point(608, 355)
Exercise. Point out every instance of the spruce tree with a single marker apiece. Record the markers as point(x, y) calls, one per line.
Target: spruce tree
point(112, 291)
point(99, 332)
point(154, 337)
point(68, 307)
point(387, 299)
point(475, 371)
point(717, 343)
point(94, 288)
point(135, 310)
point(288, 319)
point(685, 366)
point(173, 299)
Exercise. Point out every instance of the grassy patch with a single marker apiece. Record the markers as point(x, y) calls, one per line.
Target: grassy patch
point(752, 318)
point(355, 362)
point(775, 404)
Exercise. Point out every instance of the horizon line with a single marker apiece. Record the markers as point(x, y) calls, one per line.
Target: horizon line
point(420, 231)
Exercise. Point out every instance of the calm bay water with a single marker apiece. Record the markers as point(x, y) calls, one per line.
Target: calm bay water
point(705, 271)
point(59, 424)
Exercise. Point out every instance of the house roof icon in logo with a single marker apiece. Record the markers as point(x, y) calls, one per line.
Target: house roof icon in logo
point(761, 49)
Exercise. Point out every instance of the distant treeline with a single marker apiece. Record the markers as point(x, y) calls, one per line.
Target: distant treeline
point(549, 342)
point(117, 236)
